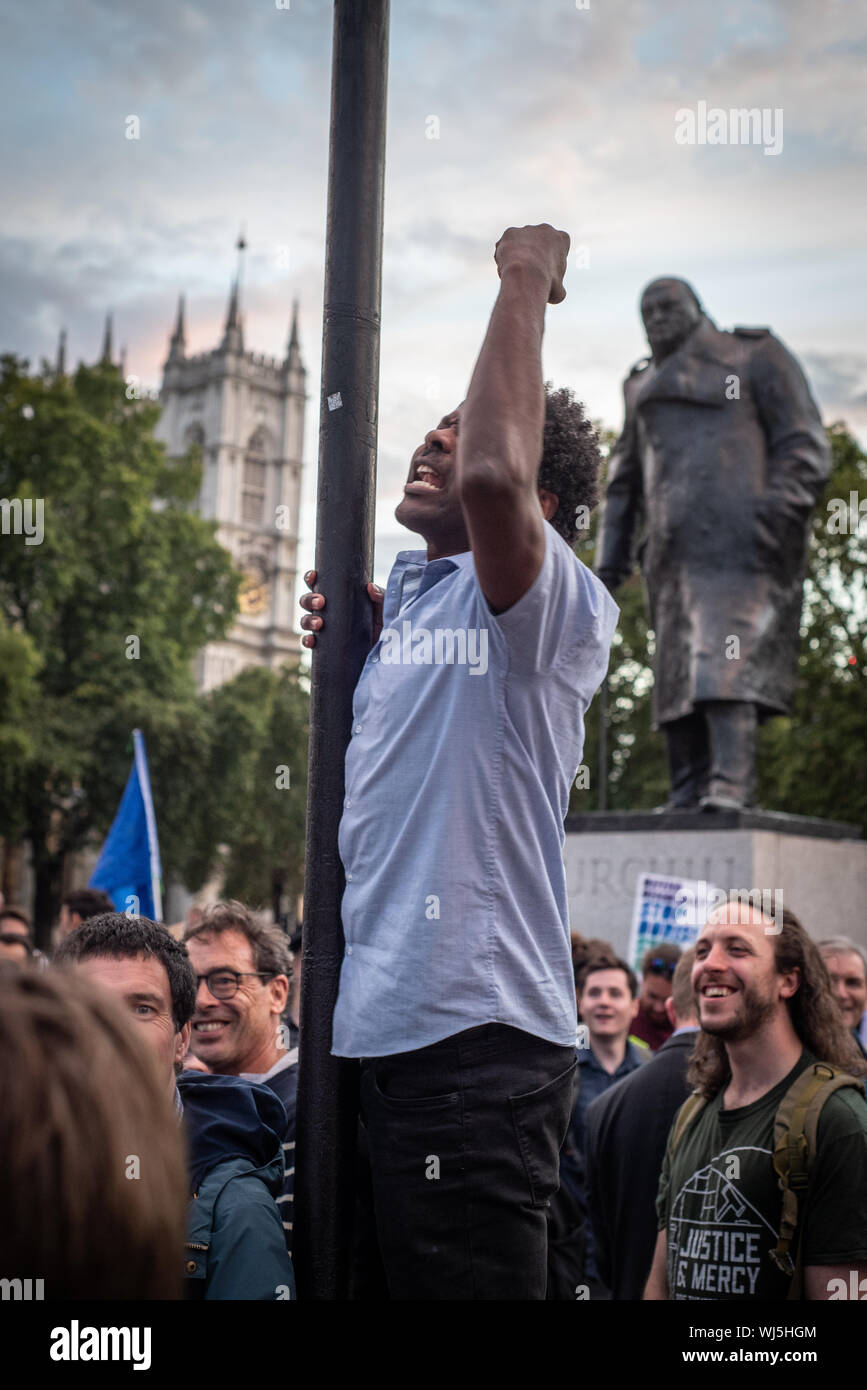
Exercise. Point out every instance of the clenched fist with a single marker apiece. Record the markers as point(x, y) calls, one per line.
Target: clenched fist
point(543, 248)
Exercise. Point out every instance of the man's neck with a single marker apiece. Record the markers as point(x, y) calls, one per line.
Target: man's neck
point(441, 550)
point(453, 542)
point(259, 1061)
point(609, 1052)
point(760, 1062)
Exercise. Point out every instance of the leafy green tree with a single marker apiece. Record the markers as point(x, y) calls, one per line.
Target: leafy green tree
point(811, 763)
point(124, 586)
point(19, 668)
point(268, 845)
point(243, 815)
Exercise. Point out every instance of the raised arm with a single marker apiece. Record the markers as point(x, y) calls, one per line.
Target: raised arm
point(503, 418)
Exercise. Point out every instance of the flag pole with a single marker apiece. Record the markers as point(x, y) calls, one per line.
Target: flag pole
point(156, 871)
point(328, 1086)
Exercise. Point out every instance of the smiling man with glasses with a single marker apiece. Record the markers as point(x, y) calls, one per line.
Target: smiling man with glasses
point(243, 970)
point(235, 1246)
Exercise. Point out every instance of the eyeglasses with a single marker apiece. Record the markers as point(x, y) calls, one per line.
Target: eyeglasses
point(658, 966)
point(223, 984)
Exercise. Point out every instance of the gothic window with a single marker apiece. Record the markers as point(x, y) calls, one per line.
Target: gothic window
point(253, 481)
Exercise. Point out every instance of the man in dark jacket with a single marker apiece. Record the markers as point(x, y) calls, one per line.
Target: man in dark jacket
point(235, 1244)
point(625, 1132)
point(721, 461)
point(607, 991)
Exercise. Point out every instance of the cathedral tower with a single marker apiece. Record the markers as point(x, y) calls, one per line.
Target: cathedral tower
point(246, 412)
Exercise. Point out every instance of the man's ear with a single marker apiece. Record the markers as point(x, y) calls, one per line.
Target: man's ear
point(635, 1006)
point(669, 1009)
point(279, 988)
point(182, 1042)
point(549, 502)
point(790, 982)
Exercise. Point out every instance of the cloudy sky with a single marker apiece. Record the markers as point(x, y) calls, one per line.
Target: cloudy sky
point(546, 112)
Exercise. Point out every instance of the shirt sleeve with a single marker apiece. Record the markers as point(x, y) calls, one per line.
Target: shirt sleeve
point(566, 615)
point(835, 1221)
point(663, 1191)
point(248, 1258)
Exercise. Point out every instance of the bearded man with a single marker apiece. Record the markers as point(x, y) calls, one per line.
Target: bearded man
point(767, 1015)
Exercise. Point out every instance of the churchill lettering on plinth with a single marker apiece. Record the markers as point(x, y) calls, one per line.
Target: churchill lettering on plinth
point(711, 487)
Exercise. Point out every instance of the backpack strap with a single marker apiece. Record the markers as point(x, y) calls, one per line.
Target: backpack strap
point(684, 1118)
point(796, 1126)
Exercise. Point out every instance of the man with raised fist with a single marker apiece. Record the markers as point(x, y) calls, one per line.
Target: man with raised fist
point(456, 990)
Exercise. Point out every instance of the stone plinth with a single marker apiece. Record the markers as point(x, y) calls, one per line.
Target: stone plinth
point(820, 865)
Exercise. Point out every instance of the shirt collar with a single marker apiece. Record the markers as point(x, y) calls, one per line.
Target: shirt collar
point(587, 1057)
point(287, 1060)
point(413, 574)
point(419, 557)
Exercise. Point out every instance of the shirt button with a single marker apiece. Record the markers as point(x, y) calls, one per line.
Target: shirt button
point(373, 659)
point(349, 878)
point(349, 950)
point(347, 802)
point(358, 728)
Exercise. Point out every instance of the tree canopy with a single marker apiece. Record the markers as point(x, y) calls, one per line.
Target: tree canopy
point(99, 623)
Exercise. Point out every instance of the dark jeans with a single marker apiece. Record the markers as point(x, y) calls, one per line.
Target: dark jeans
point(464, 1142)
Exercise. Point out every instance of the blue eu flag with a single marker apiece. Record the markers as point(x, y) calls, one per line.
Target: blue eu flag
point(129, 868)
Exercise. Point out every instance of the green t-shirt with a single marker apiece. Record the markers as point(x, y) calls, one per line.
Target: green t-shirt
point(721, 1203)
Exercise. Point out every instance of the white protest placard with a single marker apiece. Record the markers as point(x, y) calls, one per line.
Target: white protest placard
point(670, 909)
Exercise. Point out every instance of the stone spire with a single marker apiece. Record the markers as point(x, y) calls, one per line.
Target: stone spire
point(233, 333)
point(293, 350)
point(60, 368)
point(178, 340)
point(105, 360)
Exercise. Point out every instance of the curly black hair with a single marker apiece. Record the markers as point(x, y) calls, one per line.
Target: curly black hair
point(570, 461)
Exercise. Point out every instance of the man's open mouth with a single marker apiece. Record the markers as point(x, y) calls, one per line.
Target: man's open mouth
point(210, 1027)
point(425, 479)
point(716, 991)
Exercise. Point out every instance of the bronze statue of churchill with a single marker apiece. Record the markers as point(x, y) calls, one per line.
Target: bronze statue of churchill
point(720, 463)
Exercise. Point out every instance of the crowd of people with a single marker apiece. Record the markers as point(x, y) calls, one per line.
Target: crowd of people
point(703, 1134)
point(207, 1018)
point(183, 1055)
